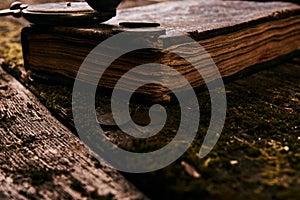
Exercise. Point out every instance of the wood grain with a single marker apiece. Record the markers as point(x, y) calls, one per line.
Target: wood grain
point(41, 159)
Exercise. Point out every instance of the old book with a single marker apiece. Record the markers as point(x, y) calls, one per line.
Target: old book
point(237, 35)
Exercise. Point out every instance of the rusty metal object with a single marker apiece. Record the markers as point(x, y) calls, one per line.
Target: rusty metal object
point(67, 13)
point(14, 10)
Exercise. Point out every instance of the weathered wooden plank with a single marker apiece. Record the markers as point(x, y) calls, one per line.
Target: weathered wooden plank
point(41, 159)
point(263, 119)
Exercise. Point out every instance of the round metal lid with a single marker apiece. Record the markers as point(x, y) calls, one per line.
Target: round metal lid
point(63, 7)
point(67, 13)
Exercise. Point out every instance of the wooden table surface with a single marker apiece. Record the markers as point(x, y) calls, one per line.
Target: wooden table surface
point(257, 156)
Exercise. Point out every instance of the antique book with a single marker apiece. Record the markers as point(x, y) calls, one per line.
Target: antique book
point(237, 35)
